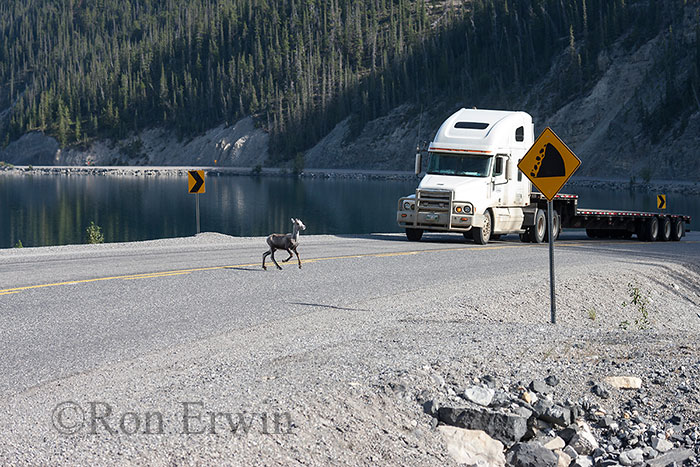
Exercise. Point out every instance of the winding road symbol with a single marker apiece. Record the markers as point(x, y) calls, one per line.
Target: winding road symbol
point(195, 179)
point(661, 201)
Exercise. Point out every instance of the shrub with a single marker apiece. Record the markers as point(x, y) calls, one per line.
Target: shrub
point(94, 233)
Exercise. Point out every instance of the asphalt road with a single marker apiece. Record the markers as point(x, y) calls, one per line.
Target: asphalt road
point(67, 310)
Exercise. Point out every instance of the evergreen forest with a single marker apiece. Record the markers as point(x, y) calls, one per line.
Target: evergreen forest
point(85, 69)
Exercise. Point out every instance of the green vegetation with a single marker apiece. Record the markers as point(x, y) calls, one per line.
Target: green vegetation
point(94, 233)
point(18, 244)
point(640, 301)
point(82, 69)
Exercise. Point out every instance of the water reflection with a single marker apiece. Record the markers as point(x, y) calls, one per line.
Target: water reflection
point(55, 210)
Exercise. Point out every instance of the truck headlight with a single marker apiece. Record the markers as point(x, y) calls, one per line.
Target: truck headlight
point(468, 209)
point(458, 209)
point(407, 206)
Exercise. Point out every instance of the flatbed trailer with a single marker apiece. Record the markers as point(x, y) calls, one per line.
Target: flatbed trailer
point(612, 223)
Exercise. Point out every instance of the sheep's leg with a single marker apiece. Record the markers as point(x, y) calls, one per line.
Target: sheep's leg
point(265, 255)
point(274, 260)
point(298, 259)
point(290, 256)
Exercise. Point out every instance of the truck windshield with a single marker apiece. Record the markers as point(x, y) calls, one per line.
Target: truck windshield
point(468, 165)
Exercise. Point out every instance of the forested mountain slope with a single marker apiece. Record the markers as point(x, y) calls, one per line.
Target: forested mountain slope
point(346, 83)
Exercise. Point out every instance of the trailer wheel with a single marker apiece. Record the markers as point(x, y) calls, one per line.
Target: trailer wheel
point(414, 235)
point(677, 228)
point(482, 235)
point(665, 229)
point(538, 231)
point(592, 233)
point(557, 226)
point(651, 229)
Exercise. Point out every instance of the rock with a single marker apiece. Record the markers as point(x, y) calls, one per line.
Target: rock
point(567, 433)
point(624, 382)
point(479, 395)
point(542, 406)
point(489, 381)
point(563, 459)
point(582, 461)
point(507, 428)
point(661, 444)
point(557, 415)
point(540, 386)
point(676, 420)
point(555, 444)
point(523, 412)
point(531, 454)
point(650, 452)
point(600, 391)
point(571, 452)
point(529, 397)
point(431, 407)
point(678, 456)
point(632, 457)
point(551, 380)
point(584, 443)
point(501, 399)
point(472, 447)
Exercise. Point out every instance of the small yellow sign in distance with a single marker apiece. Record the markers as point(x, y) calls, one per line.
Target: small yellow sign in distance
point(195, 181)
point(661, 201)
point(549, 164)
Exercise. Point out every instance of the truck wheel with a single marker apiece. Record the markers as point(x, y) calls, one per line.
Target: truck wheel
point(665, 229)
point(482, 235)
point(556, 227)
point(677, 228)
point(414, 235)
point(651, 229)
point(538, 231)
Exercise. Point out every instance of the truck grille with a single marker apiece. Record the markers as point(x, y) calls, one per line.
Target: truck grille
point(433, 200)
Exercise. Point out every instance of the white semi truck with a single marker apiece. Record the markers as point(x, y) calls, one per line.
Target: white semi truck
point(473, 186)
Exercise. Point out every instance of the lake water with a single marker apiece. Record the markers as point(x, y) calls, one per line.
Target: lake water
point(41, 210)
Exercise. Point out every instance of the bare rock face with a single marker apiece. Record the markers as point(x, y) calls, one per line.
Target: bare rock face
point(34, 148)
point(472, 447)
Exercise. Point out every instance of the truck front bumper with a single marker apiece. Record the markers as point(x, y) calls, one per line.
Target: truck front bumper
point(438, 221)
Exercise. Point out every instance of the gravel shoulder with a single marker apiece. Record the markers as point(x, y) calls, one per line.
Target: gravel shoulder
point(344, 378)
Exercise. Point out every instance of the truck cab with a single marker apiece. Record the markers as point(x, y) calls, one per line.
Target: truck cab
point(472, 183)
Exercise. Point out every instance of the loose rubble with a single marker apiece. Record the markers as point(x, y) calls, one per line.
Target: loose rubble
point(539, 426)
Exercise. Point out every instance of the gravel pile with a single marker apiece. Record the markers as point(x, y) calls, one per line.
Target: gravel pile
point(539, 424)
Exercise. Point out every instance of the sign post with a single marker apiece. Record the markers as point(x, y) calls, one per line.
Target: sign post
point(195, 184)
point(549, 164)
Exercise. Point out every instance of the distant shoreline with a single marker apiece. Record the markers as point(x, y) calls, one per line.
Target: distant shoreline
point(660, 186)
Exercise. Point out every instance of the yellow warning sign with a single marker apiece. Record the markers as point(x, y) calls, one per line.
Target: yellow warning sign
point(661, 201)
point(195, 181)
point(549, 163)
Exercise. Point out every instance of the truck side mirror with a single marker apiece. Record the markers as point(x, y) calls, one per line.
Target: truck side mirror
point(419, 163)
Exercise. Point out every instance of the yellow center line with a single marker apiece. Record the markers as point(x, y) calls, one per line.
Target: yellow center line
point(8, 293)
point(161, 274)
